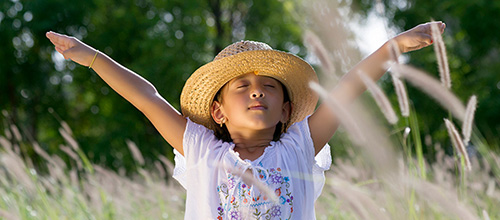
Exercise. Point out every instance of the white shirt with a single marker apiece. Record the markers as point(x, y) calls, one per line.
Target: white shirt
point(211, 172)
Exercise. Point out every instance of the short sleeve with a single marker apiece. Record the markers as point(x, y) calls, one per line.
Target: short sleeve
point(199, 144)
point(299, 136)
point(321, 162)
point(179, 168)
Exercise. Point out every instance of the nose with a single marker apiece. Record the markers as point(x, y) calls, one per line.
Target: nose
point(257, 93)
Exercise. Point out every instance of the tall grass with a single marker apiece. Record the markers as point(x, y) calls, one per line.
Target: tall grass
point(379, 178)
point(82, 191)
point(384, 179)
point(354, 188)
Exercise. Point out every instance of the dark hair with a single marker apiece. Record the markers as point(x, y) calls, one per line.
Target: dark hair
point(223, 134)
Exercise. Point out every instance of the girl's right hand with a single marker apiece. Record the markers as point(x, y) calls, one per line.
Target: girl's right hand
point(137, 90)
point(72, 48)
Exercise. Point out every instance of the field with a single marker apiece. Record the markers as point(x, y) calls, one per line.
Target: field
point(384, 173)
point(377, 184)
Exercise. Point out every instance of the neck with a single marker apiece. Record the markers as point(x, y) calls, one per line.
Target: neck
point(251, 144)
point(255, 139)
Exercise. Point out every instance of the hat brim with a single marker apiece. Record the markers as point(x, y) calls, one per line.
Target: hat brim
point(293, 72)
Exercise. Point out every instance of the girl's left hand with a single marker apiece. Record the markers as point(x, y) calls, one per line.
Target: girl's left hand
point(418, 37)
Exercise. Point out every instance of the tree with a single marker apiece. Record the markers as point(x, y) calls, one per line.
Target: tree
point(25, 73)
point(472, 47)
point(162, 41)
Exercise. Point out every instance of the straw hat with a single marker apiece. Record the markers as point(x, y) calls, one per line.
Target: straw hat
point(239, 59)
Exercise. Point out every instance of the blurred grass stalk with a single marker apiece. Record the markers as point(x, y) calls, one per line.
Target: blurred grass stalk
point(374, 181)
point(80, 192)
point(415, 189)
point(417, 143)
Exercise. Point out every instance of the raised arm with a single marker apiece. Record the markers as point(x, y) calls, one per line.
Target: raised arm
point(323, 123)
point(135, 89)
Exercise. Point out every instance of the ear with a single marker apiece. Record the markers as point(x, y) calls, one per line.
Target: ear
point(216, 112)
point(287, 109)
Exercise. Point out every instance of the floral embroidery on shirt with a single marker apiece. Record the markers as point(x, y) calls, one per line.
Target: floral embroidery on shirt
point(240, 201)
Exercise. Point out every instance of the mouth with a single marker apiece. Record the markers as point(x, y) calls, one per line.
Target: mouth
point(257, 106)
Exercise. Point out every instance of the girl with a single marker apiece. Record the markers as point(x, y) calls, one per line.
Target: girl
point(248, 134)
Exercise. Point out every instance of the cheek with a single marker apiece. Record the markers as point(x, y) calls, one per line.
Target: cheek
point(233, 102)
point(279, 98)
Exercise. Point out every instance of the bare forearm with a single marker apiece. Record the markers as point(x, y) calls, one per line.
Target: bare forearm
point(144, 96)
point(138, 91)
point(128, 84)
point(374, 66)
point(350, 86)
point(323, 123)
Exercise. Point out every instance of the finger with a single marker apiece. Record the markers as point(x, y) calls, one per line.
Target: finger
point(414, 48)
point(50, 36)
point(426, 38)
point(57, 38)
point(53, 38)
point(61, 51)
point(442, 27)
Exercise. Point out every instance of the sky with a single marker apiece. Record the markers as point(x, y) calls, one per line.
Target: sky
point(370, 34)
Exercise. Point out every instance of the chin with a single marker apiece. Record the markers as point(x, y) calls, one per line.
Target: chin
point(263, 126)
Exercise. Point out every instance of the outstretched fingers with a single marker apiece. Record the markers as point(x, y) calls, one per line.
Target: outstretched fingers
point(441, 25)
point(60, 41)
point(70, 47)
point(55, 38)
point(426, 39)
point(419, 36)
point(62, 51)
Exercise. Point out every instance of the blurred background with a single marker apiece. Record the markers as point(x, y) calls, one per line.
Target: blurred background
point(165, 41)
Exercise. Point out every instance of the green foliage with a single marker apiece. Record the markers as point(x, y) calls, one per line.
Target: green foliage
point(27, 69)
point(164, 41)
point(352, 189)
point(472, 43)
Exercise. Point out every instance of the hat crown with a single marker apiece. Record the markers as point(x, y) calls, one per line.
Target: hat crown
point(242, 58)
point(241, 46)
